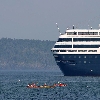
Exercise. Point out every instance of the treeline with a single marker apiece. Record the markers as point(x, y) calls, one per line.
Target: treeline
point(26, 54)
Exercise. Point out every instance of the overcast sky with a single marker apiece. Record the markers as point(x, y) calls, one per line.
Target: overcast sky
point(36, 19)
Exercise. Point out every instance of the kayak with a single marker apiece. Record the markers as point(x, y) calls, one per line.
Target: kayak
point(42, 86)
point(46, 86)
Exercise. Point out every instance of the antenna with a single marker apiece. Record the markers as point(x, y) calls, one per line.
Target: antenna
point(58, 28)
point(99, 25)
point(73, 26)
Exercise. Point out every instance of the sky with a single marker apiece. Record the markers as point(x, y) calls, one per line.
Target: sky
point(36, 19)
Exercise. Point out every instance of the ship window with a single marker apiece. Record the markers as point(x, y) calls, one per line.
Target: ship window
point(92, 50)
point(55, 50)
point(95, 56)
point(85, 46)
point(85, 39)
point(84, 61)
point(75, 39)
point(72, 33)
point(82, 50)
point(72, 50)
point(95, 50)
point(75, 33)
point(63, 46)
point(87, 33)
point(62, 50)
point(64, 39)
point(79, 56)
point(84, 56)
point(81, 39)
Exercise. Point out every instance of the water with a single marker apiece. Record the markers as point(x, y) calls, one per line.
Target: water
point(13, 86)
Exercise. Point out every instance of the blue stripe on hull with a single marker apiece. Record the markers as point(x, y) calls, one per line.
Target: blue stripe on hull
point(79, 65)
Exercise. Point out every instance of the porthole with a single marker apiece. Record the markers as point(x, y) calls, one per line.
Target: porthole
point(84, 56)
point(95, 56)
point(79, 56)
point(84, 61)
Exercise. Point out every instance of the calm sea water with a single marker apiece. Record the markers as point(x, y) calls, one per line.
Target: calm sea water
point(13, 86)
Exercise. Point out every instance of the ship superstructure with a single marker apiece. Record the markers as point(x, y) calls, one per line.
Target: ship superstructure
point(77, 52)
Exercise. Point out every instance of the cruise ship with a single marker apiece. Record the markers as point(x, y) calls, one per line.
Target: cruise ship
point(77, 52)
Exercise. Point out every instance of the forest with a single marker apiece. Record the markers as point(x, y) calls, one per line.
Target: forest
point(26, 54)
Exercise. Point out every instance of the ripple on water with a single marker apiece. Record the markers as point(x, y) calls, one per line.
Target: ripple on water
point(79, 88)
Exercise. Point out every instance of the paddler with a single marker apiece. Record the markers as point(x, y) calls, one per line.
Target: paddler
point(62, 84)
point(33, 85)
